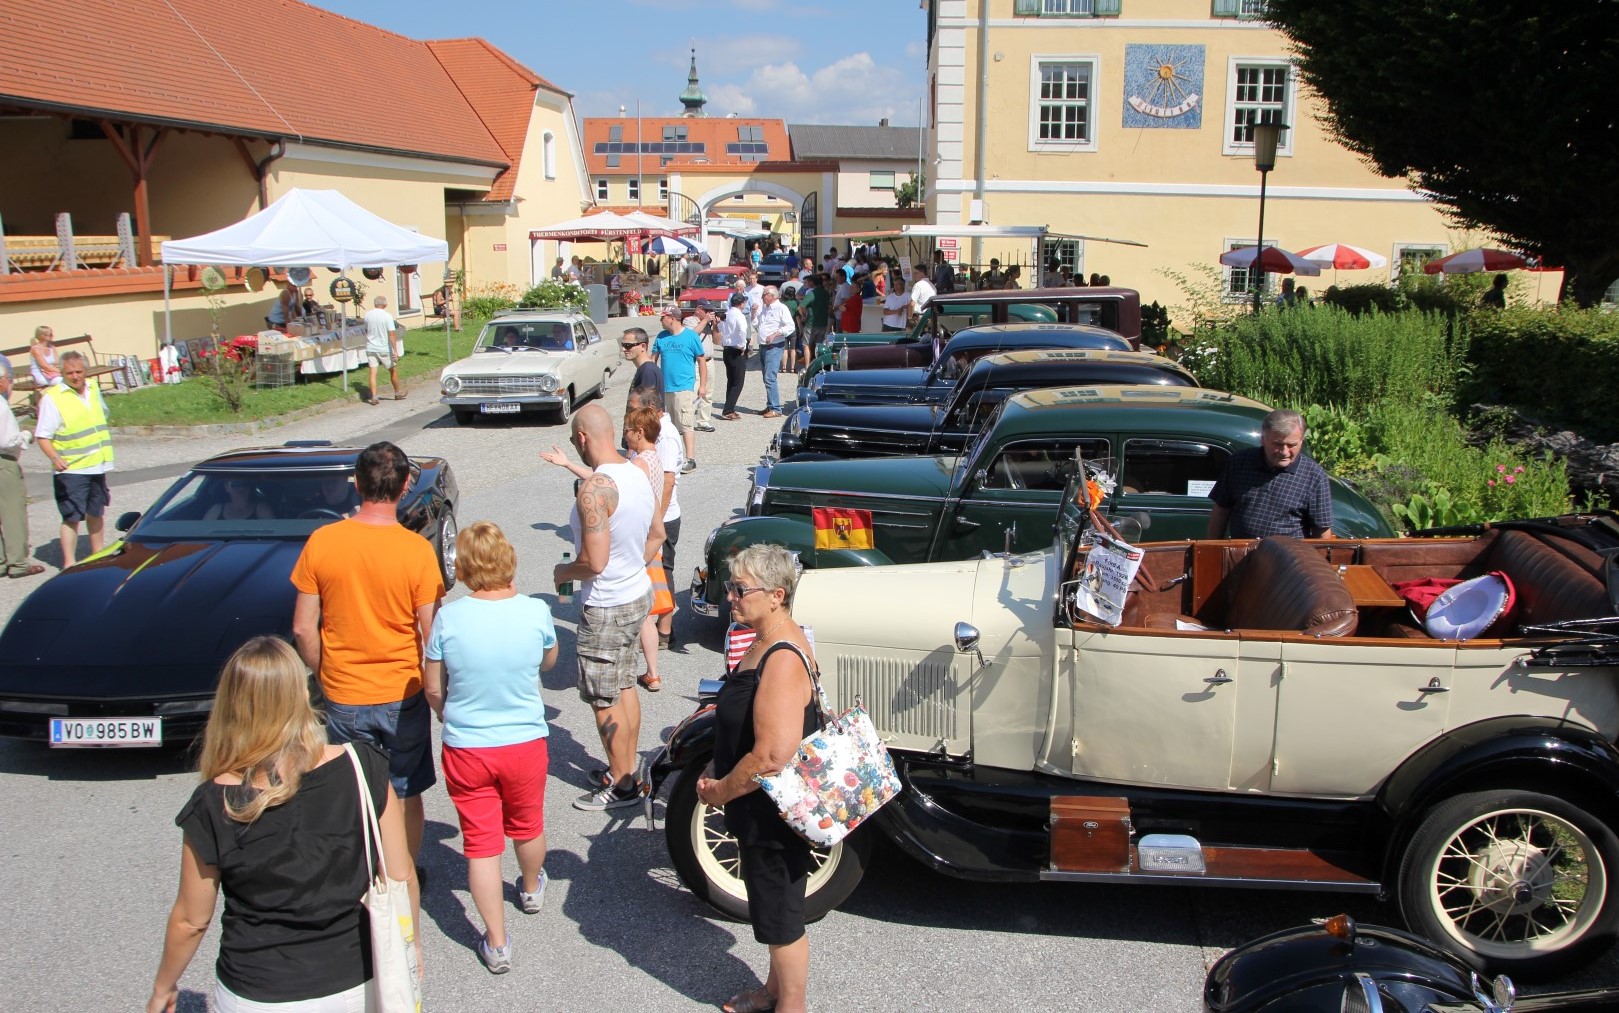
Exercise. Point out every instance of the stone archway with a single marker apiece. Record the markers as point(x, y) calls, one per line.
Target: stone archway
point(725, 192)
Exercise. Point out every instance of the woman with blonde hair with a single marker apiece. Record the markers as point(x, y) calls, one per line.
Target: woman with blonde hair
point(277, 823)
point(484, 658)
point(42, 365)
point(642, 427)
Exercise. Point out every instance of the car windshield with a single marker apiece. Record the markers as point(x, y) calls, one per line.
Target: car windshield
point(976, 442)
point(242, 503)
point(522, 335)
point(715, 279)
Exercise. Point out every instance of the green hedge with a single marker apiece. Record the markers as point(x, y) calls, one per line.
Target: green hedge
point(1561, 365)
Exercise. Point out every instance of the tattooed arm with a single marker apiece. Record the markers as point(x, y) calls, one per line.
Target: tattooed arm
point(598, 498)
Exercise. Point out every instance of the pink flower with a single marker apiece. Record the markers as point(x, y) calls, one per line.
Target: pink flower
point(1501, 467)
point(1511, 479)
point(1492, 483)
point(1518, 470)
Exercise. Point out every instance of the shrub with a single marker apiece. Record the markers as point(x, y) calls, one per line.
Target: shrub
point(1561, 364)
point(488, 299)
point(1362, 299)
point(551, 294)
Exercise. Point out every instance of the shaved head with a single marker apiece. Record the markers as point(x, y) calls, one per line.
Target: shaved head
point(593, 434)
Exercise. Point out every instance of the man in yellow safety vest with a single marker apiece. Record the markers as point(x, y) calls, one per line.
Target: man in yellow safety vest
point(73, 433)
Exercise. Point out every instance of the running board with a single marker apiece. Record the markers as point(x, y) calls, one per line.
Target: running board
point(1093, 841)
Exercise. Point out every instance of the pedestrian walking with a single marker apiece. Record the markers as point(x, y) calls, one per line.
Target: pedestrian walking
point(643, 428)
point(734, 331)
point(611, 523)
point(13, 495)
point(277, 824)
point(775, 330)
point(678, 350)
point(671, 465)
point(484, 656)
point(72, 432)
point(383, 338)
point(368, 589)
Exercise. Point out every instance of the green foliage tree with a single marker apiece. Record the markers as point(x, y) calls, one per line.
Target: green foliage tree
point(909, 193)
point(1501, 111)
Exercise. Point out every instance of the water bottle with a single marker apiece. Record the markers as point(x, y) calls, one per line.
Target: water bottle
point(565, 589)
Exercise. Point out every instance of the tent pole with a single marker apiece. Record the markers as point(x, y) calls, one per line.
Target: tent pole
point(168, 319)
point(342, 340)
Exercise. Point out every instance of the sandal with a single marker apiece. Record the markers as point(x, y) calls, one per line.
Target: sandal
point(372, 401)
point(758, 1000)
point(651, 683)
point(399, 395)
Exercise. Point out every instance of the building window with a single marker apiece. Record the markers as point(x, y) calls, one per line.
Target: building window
point(1259, 92)
point(615, 132)
point(1066, 8)
point(548, 154)
point(1412, 256)
point(1067, 253)
point(663, 189)
point(1060, 103)
point(674, 132)
point(882, 179)
point(1239, 281)
point(601, 189)
point(750, 133)
point(634, 187)
point(407, 291)
point(1246, 10)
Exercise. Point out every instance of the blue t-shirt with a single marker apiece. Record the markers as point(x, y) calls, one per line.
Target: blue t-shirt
point(677, 356)
point(492, 652)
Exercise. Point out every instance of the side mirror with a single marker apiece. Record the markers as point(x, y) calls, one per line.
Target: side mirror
point(127, 520)
point(966, 637)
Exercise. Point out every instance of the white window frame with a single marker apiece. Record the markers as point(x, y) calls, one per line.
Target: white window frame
point(601, 188)
point(1251, 10)
point(1290, 106)
point(632, 188)
point(663, 189)
point(873, 184)
point(1443, 249)
point(1068, 8)
point(548, 154)
point(1230, 295)
point(1093, 102)
point(1069, 253)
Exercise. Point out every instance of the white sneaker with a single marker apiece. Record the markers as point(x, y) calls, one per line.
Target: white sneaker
point(532, 902)
point(497, 959)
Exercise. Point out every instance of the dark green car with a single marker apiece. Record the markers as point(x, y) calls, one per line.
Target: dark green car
point(1166, 446)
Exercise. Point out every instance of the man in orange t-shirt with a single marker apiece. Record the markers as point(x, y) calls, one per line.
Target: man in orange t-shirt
point(368, 589)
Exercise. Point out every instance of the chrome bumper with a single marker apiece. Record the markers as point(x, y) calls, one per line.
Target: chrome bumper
point(551, 400)
point(699, 587)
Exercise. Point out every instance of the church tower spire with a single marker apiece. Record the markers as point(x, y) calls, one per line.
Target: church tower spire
point(693, 98)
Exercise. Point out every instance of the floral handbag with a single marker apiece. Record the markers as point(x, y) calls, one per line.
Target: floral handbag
point(840, 775)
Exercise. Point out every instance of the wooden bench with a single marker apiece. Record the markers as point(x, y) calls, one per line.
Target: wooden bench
point(21, 360)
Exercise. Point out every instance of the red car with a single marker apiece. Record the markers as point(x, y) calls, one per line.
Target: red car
point(712, 284)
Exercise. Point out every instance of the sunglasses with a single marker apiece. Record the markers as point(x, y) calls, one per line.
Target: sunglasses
point(627, 345)
point(739, 589)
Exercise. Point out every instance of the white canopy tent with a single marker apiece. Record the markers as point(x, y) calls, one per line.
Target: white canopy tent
point(305, 228)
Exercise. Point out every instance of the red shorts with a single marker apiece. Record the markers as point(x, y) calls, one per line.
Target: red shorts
point(499, 792)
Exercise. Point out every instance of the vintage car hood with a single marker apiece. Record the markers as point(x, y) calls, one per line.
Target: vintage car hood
point(528, 363)
point(830, 416)
point(874, 606)
point(150, 619)
point(847, 382)
point(911, 477)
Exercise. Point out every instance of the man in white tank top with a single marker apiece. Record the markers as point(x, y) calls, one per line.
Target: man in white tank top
point(612, 526)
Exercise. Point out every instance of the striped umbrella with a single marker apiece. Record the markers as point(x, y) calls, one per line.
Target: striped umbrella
point(1471, 261)
point(1343, 257)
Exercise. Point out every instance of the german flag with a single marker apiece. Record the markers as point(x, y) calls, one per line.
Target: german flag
point(839, 528)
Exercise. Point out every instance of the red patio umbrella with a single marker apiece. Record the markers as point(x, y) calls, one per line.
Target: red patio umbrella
point(1470, 261)
point(1274, 260)
point(1342, 257)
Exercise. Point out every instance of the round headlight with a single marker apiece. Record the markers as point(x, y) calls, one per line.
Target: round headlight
point(548, 383)
point(452, 385)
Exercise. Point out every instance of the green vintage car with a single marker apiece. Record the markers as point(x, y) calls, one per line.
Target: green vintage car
point(1117, 309)
point(1165, 445)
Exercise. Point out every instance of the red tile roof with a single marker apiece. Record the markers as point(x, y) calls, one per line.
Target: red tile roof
point(200, 63)
point(714, 134)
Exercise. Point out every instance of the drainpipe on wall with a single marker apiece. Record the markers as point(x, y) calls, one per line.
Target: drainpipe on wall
point(261, 171)
point(982, 138)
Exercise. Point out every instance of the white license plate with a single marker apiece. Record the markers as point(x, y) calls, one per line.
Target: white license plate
point(500, 407)
point(86, 732)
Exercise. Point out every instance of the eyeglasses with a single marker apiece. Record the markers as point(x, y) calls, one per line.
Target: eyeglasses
point(627, 345)
point(739, 589)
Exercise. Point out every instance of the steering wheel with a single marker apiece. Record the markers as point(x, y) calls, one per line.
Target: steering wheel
point(320, 513)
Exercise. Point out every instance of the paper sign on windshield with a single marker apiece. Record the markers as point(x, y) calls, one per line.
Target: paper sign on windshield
point(1109, 568)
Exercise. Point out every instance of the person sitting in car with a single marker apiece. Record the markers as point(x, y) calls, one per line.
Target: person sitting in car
point(241, 503)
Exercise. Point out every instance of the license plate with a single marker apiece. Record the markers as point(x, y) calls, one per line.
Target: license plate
point(87, 732)
point(500, 408)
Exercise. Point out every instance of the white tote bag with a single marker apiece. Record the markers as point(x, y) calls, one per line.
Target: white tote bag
point(387, 905)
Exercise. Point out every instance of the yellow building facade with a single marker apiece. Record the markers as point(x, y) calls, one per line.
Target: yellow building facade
point(1128, 119)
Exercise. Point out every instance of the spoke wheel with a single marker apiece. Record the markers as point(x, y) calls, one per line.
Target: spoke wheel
point(1521, 880)
point(706, 857)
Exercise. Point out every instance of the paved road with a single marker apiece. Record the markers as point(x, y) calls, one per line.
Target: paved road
point(90, 852)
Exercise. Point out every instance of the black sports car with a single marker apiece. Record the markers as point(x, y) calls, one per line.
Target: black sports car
point(125, 648)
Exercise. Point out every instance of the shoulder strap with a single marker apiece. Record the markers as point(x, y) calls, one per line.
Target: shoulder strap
point(821, 703)
point(370, 829)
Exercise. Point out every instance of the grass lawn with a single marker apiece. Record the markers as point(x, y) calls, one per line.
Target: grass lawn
point(194, 401)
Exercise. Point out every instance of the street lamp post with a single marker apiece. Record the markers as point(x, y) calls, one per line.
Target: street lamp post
point(1265, 136)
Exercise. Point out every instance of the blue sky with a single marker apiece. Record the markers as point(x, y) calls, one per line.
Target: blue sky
point(805, 62)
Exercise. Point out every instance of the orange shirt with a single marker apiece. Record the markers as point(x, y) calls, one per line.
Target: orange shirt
point(371, 579)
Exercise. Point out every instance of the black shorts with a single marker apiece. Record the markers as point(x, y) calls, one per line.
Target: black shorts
point(775, 879)
point(671, 536)
point(80, 496)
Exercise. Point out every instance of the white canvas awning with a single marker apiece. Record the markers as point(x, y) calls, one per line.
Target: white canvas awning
point(310, 228)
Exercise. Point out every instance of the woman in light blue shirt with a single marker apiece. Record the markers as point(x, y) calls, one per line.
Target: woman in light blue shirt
point(484, 658)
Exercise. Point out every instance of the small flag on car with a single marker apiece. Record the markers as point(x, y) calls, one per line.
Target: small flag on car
point(841, 528)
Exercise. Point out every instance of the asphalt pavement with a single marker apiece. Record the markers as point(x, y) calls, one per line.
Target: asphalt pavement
point(91, 853)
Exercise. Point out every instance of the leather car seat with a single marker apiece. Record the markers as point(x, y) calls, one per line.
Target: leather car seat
point(1285, 584)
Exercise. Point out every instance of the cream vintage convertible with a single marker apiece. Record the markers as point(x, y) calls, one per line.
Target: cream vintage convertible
point(1269, 715)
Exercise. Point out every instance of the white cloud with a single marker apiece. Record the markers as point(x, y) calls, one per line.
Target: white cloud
point(853, 89)
point(730, 98)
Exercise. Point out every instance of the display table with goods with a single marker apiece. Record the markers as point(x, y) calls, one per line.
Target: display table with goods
point(319, 350)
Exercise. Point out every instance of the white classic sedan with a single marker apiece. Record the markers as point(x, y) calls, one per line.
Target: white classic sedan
point(530, 360)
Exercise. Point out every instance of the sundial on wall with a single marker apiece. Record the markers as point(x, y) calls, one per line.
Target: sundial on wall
point(1163, 86)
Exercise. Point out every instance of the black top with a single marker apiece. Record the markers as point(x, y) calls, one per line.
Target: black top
point(751, 819)
point(647, 374)
point(1295, 500)
point(293, 927)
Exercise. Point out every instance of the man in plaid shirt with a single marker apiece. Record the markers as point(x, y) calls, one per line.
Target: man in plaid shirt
point(1273, 489)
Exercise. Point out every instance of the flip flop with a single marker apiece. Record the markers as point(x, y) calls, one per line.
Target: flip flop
point(373, 401)
point(651, 683)
point(757, 1000)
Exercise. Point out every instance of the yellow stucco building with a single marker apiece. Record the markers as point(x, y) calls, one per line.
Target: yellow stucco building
point(1128, 118)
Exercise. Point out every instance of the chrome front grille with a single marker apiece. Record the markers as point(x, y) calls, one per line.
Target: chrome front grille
point(497, 385)
point(902, 696)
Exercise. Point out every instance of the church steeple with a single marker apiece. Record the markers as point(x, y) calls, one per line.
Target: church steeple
point(693, 98)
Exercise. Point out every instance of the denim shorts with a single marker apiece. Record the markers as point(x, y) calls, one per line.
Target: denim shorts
point(403, 730)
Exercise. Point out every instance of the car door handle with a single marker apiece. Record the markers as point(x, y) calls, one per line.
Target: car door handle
point(1219, 678)
point(966, 524)
point(1434, 687)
